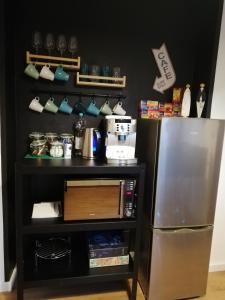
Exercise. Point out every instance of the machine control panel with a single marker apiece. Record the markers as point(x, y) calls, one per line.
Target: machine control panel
point(129, 198)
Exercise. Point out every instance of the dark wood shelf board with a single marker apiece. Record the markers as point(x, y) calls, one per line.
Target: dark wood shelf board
point(74, 166)
point(94, 275)
point(51, 226)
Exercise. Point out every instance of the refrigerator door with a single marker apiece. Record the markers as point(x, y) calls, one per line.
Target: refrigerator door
point(179, 263)
point(188, 169)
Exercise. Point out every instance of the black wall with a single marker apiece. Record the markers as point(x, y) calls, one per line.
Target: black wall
point(117, 33)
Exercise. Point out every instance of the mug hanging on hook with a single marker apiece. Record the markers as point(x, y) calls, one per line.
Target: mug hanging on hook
point(46, 73)
point(65, 106)
point(79, 107)
point(92, 109)
point(105, 108)
point(118, 109)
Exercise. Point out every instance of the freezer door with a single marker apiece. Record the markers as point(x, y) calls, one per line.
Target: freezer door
point(188, 169)
point(179, 263)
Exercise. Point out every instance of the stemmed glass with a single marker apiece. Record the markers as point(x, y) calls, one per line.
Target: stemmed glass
point(73, 45)
point(61, 44)
point(49, 43)
point(37, 41)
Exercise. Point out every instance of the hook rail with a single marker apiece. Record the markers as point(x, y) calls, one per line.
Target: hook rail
point(80, 94)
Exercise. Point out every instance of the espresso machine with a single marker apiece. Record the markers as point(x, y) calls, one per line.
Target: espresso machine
point(120, 139)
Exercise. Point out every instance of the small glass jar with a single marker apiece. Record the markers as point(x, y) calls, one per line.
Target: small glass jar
point(50, 137)
point(56, 149)
point(67, 140)
point(38, 147)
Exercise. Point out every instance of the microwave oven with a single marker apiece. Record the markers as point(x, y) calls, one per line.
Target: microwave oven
point(99, 199)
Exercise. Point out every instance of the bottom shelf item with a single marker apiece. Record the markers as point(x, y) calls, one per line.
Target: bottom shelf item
point(109, 261)
point(108, 243)
point(51, 250)
point(65, 257)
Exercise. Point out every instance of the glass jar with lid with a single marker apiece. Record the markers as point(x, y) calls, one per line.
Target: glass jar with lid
point(67, 140)
point(38, 147)
point(36, 136)
point(66, 136)
point(56, 149)
point(50, 137)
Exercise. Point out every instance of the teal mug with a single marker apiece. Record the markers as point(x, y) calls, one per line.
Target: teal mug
point(92, 109)
point(60, 74)
point(65, 107)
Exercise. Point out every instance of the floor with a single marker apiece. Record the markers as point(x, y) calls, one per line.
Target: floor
point(115, 291)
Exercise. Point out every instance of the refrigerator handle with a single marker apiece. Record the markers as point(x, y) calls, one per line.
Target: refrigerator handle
point(183, 230)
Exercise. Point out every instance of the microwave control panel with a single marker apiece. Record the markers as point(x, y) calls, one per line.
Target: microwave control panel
point(129, 198)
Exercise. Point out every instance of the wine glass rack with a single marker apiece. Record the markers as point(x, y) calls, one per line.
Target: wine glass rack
point(53, 61)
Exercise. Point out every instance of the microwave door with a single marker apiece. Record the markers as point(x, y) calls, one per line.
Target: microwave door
point(92, 199)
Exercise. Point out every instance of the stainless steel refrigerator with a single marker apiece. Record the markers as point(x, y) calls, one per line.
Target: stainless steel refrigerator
point(182, 156)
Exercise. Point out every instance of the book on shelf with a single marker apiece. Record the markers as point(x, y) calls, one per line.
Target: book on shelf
point(107, 244)
point(109, 261)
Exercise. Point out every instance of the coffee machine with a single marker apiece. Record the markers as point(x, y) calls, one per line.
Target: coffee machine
point(120, 139)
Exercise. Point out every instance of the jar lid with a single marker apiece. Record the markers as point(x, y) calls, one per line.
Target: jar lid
point(56, 143)
point(66, 136)
point(36, 135)
point(37, 143)
point(51, 135)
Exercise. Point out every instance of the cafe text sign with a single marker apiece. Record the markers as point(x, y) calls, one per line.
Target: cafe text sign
point(168, 76)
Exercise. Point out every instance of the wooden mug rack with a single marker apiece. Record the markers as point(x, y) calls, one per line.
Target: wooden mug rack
point(117, 82)
point(53, 61)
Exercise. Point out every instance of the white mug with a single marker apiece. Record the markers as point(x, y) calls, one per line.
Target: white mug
point(35, 105)
point(118, 109)
point(46, 73)
point(106, 109)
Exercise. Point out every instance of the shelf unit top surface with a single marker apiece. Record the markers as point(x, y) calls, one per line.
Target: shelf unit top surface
point(43, 226)
point(74, 166)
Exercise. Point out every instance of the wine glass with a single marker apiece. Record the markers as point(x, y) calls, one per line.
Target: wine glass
point(61, 44)
point(49, 43)
point(73, 45)
point(37, 41)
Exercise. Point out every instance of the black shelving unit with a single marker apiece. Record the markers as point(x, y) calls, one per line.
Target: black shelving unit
point(28, 229)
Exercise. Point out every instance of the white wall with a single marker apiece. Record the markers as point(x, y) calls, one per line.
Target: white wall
point(2, 277)
point(217, 260)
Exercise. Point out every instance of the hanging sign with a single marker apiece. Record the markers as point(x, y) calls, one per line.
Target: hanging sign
point(168, 76)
